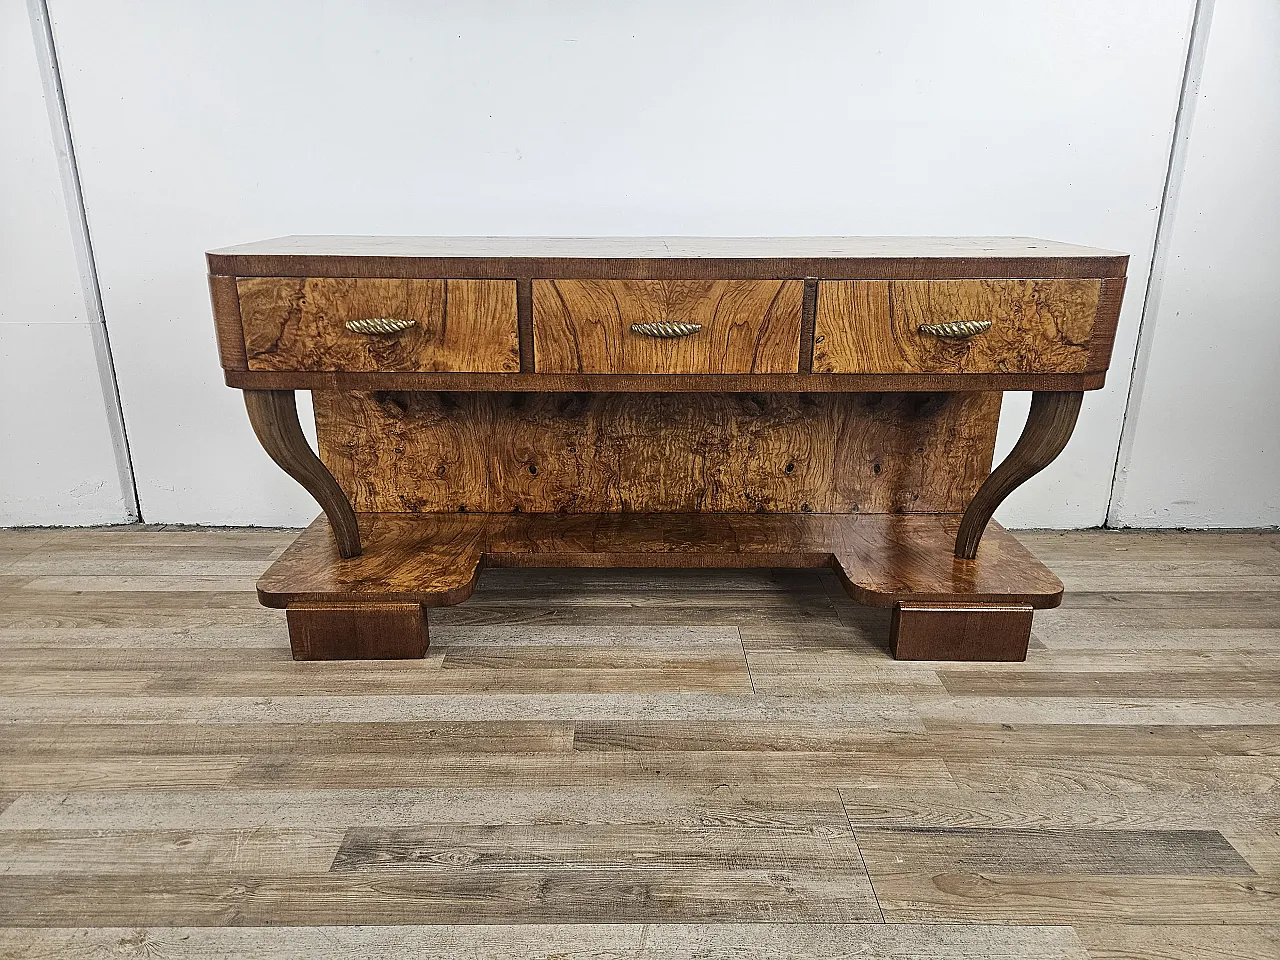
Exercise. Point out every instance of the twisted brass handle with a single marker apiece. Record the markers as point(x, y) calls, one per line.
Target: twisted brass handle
point(666, 329)
point(379, 325)
point(956, 329)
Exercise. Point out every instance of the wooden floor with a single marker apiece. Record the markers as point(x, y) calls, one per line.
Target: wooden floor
point(647, 764)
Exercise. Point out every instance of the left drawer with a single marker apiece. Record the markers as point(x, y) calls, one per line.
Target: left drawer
point(317, 324)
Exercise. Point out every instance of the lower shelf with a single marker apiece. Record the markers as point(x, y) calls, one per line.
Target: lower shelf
point(435, 559)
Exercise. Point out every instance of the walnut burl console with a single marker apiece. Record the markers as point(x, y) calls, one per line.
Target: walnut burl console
point(661, 402)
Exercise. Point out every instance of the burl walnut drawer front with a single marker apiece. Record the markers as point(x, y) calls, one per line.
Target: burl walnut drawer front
point(374, 324)
point(667, 326)
point(954, 326)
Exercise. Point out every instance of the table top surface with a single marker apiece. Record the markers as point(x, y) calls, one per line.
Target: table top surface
point(731, 248)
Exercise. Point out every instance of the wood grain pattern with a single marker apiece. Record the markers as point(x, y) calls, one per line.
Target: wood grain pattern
point(1037, 326)
point(954, 632)
point(461, 325)
point(960, 896)
point(435, 559)
point(1101, 807)
point(583, 326)
point(1050, 423)
point(546, 453)
point(1186, 853)
point(386, 631)
point(1176, 941)
point(146, 853)
point(709, 940)
point(274, 417)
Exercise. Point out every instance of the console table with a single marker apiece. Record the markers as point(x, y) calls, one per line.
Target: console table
point(641, 402)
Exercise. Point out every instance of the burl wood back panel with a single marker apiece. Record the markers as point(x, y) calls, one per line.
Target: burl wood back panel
point(748, 326)
point(718, 453)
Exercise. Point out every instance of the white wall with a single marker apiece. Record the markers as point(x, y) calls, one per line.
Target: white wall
point(1205, 427)
point(199, 125)
point(57, 461)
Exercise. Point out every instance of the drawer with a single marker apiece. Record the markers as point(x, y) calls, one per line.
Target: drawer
point(744, 326)
point(874, 326)
point(295, 323)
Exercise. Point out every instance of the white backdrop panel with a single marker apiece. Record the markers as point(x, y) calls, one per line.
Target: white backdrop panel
point(199, 125)
point(1206, 450)
point(57, 465)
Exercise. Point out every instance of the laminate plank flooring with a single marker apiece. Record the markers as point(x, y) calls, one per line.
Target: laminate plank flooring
point(657, 763)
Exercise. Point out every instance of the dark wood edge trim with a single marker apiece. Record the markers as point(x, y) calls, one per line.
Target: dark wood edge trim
point(524, 322)
point(808, 319)
point(1102, 338)
point(859, 594)
point(227, 325)
point(583, 268)
point(446, 598)
point(665, 383)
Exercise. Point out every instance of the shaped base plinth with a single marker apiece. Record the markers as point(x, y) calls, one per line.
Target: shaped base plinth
point(945, 608)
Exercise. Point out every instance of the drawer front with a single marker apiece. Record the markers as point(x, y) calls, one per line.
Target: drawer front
point(874, 326)
point(462, 326)
point(746, 326)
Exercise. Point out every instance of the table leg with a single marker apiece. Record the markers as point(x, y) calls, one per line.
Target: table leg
point(1049, 426)
point(274, 416)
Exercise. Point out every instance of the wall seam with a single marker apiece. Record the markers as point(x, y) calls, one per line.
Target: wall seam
point(64, 149)
point(1179, 147)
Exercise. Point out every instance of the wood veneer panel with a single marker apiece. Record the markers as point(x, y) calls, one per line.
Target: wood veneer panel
point(434, 559)
point(1037, 326)
point(727, 453)
point(748, 326)
point(460, 325)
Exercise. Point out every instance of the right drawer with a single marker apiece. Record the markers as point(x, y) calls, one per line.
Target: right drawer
point(954, 326)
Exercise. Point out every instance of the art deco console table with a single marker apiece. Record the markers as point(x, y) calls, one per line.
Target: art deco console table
point(661, 402)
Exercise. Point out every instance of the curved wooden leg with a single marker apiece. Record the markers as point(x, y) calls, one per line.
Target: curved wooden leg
point(274, 415)
point(1049, 425)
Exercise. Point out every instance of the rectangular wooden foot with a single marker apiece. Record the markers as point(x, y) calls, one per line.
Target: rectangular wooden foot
point(937, 631)
point(357, 631)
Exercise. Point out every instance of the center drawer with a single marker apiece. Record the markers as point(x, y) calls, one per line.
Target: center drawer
point(667, 326)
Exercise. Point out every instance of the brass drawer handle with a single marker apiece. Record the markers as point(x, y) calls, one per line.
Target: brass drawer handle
point(382, 325)
point(667, 329)
point(956, 329)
